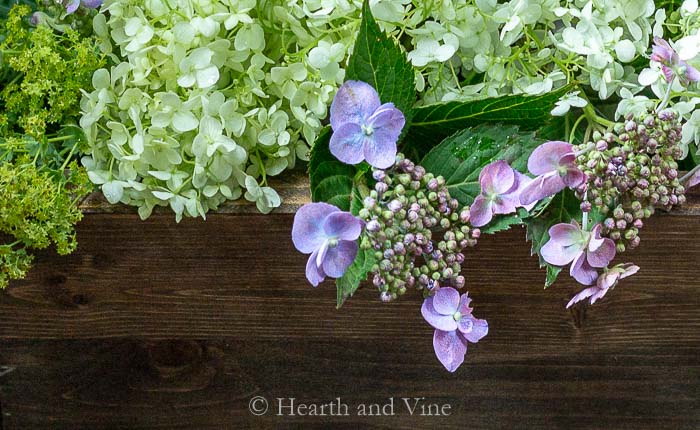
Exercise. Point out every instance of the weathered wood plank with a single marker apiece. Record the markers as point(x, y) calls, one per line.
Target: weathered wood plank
point(158, 325)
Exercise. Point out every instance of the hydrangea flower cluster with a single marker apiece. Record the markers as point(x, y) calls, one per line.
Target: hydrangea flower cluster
point(630, 170)
point(403, 214)
point(202, 105)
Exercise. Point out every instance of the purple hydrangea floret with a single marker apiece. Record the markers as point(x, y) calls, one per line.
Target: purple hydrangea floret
point(363, 128)
point(606, 281)
point(555, 164)
point(73, 5)
point(671, 63)
point(330, 236)
point(585, 250)
point(454, 325)
point(500, 190)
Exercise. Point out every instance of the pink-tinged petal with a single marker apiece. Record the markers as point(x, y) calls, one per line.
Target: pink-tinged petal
point(314, 274)
point(347, 143)
point(542, 186)
point(343, 226)
point(506, 204)
point(602, 256)
point(691, 73)
point(339, 258)
point(598, 295)
point(522, 181)
point(661, 51)
point(608, 279)
point(354, 102)
point(473, 329)
point(380, 148)
point(693, 180)
point(629, 269)
point(668, 73)
point(446, 300)
point(307, 231)
point(480, 212)
point(595, 240)
point(582, 271)
point(566, 234)
point(450, 349)
point(464, 307)
point(546, 157)
point(582, 295)
point(558, 255)
point(573, 177)
point(435, 318)
point(496, 178)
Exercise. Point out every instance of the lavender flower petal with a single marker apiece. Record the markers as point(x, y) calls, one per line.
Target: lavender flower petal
point(450, 349)
point(446, 301)
point(307, 231)
point(339, 258)
point(347, 143)
point(496, 178)
point(342, 226)
point(436, 319)
point(354, 103)
point(314, 274)
point(506, 204)
point(542, 186)
point(72, 6)
point(473, 329)
point(481, 211)
point(380, 150)
point(546, 157)
point(582, 295)
point(92, 4)
point(582, 271)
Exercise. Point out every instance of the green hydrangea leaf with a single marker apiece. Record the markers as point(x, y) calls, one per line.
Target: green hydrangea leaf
point(460, 157)
point(331, 181)
point(433, 123)
point(356, 273)
point(378, 60)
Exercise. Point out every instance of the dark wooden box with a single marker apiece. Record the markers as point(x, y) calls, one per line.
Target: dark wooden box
point(158, 325)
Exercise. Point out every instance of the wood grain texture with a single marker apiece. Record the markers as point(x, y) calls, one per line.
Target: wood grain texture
point(158, 325)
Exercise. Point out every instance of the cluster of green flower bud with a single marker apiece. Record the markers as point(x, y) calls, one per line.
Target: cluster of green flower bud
point(630, 171)
point(417, 230)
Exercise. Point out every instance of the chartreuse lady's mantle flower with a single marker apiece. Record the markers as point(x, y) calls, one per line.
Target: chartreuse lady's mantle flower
point(671, 64)
point(500, 189)
point(555, 163)
point(454, 325)
point(363, 128)
point(330, 236)
point(606, 281)
point(586, 250)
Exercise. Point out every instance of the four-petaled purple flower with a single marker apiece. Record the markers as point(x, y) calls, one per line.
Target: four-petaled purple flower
point(72, 5)
point(330, 236)
point(454, 325)
point(500, 189)
point(606, 281)
point(671, 63)
point(363, 128)
point(586, 249)
point(555, 163)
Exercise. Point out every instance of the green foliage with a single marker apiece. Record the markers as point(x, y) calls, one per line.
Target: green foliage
point(433, 123)
point(460, 157)
point(356, 273)
point(41, 74)
point(380, 62)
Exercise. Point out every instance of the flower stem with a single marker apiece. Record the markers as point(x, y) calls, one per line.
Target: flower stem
point(667, 97)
